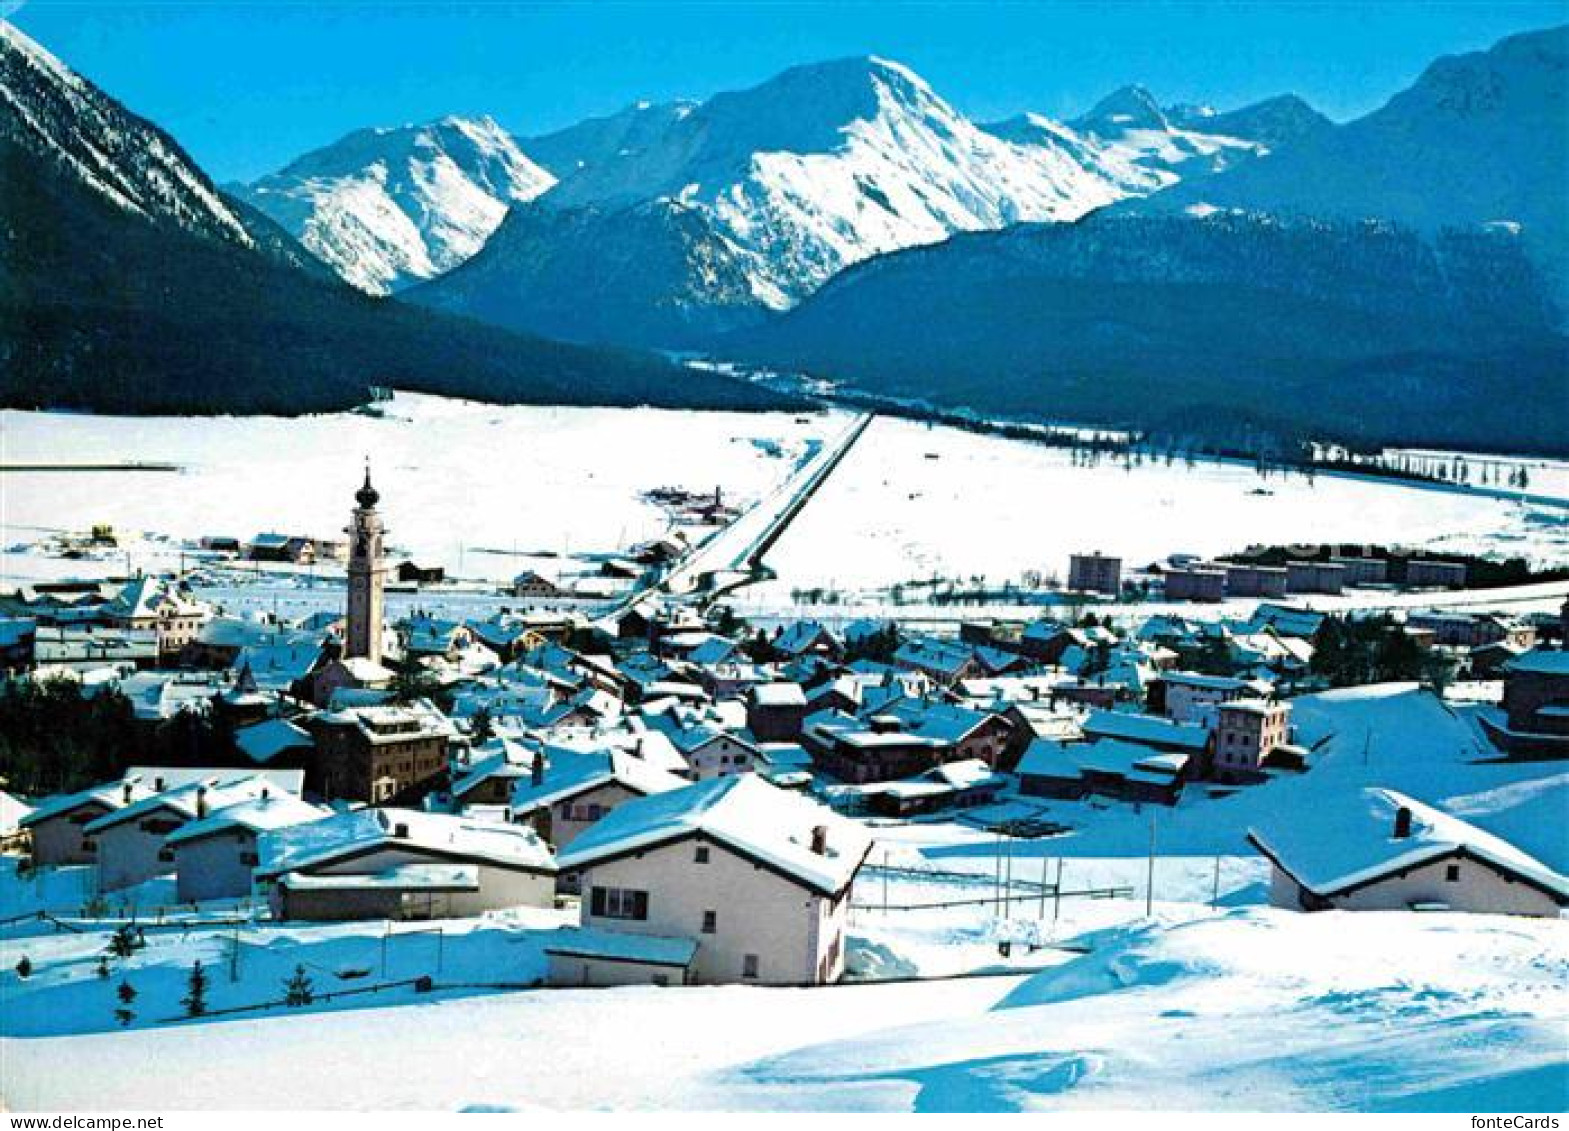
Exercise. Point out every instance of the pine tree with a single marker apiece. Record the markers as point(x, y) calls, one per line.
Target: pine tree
point(126, 994)
point(24, 967)
point(195, 999)
point(103, 965)
point(124, 942)
point(298, 990)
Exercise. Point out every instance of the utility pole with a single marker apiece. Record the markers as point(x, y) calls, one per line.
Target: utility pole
point(1214, 899)
point(1149, 883)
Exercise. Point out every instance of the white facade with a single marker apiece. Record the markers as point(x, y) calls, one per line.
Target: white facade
point(720, 757)
point(500, 887)
point(1454, 883)
point(751, 922)
point(215, 867)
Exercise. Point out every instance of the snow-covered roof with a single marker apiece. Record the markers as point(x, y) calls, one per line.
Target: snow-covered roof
point(262, 742)
point(12, 812)
point(1348, 841)
point(186, 800)
point(779, 695)
point(1146, 729)
point(259, 814)
point(345, 834)
point(399, 877)
point(744, 813)
point(570, 772)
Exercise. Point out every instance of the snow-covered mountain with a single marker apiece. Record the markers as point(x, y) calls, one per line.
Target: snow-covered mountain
point(828, 164)
point(61, 119)
point(791, 181)
point(593, 141)
point(390, 207)
point(1479, 138)
point(129, 283)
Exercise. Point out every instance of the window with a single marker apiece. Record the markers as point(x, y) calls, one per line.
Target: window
point(701, 855)
point(166, 855)
point(249, 859)
point(618, 903)
point(1452, 873)
point(710, 922)
point(749, 966)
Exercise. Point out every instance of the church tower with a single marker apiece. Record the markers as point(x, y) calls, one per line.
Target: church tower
point(362, 636)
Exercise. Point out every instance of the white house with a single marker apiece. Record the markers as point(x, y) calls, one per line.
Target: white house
point(214, 857)
point(1378, 850)
point(758, 877)
point(403, 864)
point(58, 824)
point(132, 839)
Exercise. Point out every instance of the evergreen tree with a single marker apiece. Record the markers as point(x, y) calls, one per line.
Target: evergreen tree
point(24, 967)
point(127, 994)
point(298, 990)
point(125, 941)
point(195, 999)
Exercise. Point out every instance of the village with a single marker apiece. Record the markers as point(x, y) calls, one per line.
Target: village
point(661, 794)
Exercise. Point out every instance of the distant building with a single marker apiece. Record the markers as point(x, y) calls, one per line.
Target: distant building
point(1255, 581)
point(1471, 630)
point(1196, 584)
point(775, 711)
point(1363, 571)
point(531, 584)
point(1247, 732)
point(1378, 850)
point(1192, 697)
point(295, 549)
point(1315, 577)
point(1435, 575)
point(1095, 573)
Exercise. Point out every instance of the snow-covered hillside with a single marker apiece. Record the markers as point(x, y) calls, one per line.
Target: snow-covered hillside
point(55, 116)
point(388, 207)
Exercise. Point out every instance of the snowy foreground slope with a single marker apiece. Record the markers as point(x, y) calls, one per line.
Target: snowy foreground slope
point(1248, 1009)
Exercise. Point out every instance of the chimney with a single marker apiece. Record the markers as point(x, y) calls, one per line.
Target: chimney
point(125, 790)
point(266, 794)
point(536, 772)
point(820, 840)
point(201, 802)
point(157, 785)
point(1402, 823)
point(401, 831)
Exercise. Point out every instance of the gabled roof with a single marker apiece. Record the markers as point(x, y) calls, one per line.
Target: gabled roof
point(259, 814)
point(262, 742)
point(185, 800)
point(1540, 661)
point(571, 772)
point(362, 831)
point(1348, 842)
point(111, 795)
point(745, 813)
point(1145, 729)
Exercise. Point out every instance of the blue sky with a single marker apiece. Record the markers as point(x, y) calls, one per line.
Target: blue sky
point(248, 86)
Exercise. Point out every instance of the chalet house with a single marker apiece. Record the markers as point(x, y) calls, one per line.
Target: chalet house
point(1534, 720)
point(1032, 720)
point(1378, 850)
point(759, 878)
point(145, 604)
point(944, 661)
point(775, 711)
point(1044, 641)
point(379, 754)
point(57, 825)
point(403, 864)
point(1463, 630)
point(904, 739)
point(214, 857)
point(805, 637)
point(569, 790)
point(411, 572)
point(428, 636)
point(952, 785)
point(493, 772)
point(132, 839)
point(292, 548)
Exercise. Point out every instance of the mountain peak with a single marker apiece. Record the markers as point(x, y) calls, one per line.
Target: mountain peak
point(1130, 107)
